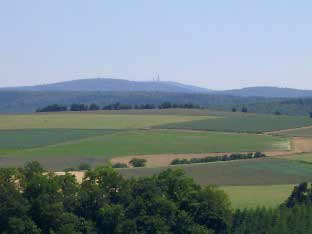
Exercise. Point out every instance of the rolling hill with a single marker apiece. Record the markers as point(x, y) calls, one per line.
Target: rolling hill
point(271, 92)
point(114, 85)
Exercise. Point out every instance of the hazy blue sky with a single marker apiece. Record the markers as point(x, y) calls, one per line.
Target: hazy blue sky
point(215, 44)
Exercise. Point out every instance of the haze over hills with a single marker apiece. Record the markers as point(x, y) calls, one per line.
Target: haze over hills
point(115, 85)
point(121, 85)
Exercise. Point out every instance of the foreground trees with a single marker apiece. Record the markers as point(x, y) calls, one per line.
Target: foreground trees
point(35, 202)
point(105, 202)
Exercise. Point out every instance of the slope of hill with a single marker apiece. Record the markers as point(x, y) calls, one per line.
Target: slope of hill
point(115, 85)
point(273, 92)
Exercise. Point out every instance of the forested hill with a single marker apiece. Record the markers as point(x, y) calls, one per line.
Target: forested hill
point(29, 101)
point(114, 85)
point(121, 85)
point(267, 92)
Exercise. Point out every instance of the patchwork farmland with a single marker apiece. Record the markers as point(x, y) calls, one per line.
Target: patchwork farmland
point(65, 140)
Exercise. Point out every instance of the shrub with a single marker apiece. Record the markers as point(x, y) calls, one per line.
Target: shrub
point(138, 162)
point(120, 165)
point(84, 167)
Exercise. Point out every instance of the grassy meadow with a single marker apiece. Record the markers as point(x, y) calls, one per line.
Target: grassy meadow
point(306, 157)
point(104, 145)
point(258, 196)
point(301, 132)
point(243, 123)
point(97, 120)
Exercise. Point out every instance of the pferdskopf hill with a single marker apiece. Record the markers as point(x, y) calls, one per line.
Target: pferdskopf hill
point(115, 85)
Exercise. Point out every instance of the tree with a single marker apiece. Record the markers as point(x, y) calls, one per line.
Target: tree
point(165, 105)
point(233, 109)
point(244, 110)
point(84, 167)
point(94, 107)
point(52, 108)
point(78, 107)
point(137, 162)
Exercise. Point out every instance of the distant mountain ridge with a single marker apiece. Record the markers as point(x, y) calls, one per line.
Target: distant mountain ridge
point(267, 91)
point(114, 85)
point(122, 85)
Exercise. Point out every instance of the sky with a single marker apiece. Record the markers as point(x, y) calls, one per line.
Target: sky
point(213, 44)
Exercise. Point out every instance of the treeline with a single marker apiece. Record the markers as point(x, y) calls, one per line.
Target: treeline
point(218, 158)
point(115, 106)
point(33, 201)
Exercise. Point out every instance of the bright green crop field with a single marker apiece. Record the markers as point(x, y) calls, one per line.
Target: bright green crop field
point(104, 145)
point(307, 157)
point(243, 123)
point(258, 196)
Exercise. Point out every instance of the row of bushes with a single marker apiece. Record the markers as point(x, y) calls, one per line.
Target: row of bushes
point(115, 106)
point(218, 158)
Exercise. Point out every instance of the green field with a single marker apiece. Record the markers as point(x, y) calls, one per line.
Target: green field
point(267, 171)
point(144, 142)
point(304, 132)
point(243, 123)
point(61, 140)
point(90, 120)
point(31, 138)
point(307, 157)
point(258, 196)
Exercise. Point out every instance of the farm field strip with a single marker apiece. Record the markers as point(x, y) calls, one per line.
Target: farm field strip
point(90, 121)
point(304, 157)
point(267, 171)
point(147, 142)
point(270, 196)
point(243, 123)
point(33, 138)
point(296, 132)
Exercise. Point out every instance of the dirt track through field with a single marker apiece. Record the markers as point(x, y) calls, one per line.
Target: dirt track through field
point(298, 145)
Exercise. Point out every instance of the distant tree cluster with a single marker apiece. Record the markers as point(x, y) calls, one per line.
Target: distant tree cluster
point(52, 108)
point(218, 158)
point(116, 106)
point(243, 109)
point(138, 162)
point(35, 202)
